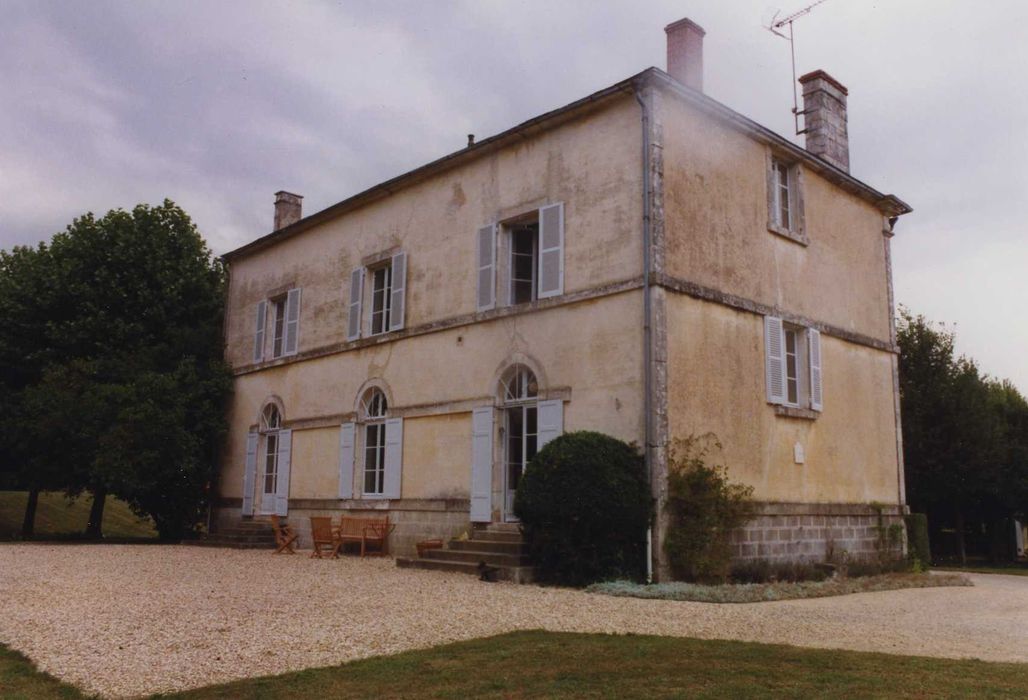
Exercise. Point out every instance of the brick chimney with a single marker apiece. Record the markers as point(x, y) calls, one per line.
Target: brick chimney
point(685, 53)
point(288, 208)
point(824, 118)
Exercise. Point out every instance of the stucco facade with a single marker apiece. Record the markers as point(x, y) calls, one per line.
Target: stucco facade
point(655, 327)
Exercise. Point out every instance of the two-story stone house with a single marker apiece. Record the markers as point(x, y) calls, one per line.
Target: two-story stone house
point(644, 262)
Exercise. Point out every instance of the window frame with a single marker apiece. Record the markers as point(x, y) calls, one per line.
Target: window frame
point(523, 230)
point(795, 228)
point(374, 411)
point(383, 314)
point(801, 380)
point(279, 308)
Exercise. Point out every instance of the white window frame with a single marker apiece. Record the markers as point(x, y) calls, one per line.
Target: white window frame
point(381, 298)
point(278, 325)
point(792, 188)
point(522, 229)
point(798, 379)
point(374, 410)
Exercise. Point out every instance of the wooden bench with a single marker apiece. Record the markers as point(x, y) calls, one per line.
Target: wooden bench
point(365, 530)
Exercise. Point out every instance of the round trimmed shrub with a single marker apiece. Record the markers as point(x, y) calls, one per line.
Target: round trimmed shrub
point(584, 505)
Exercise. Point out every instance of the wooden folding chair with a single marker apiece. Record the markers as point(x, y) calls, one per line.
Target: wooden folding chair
point(285, 538)
point(324, 538)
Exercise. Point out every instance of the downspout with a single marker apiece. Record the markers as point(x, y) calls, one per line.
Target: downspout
point(647, 349)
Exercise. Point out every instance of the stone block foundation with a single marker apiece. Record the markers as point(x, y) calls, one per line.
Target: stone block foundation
point(815, 532)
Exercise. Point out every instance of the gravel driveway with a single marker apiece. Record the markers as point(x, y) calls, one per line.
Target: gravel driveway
point(128, 620)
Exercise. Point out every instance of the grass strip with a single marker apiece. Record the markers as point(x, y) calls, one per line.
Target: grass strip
point(537, 664)
point(765, 592)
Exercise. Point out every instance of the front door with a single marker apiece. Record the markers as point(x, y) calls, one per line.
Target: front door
point(269, 483)
point(521, 426)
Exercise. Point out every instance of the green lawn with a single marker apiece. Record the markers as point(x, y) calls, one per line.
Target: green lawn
point(1010, 570)
point(60, 517)
point(564, 665)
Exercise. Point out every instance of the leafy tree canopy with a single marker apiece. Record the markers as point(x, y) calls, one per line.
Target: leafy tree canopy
point(111, 361)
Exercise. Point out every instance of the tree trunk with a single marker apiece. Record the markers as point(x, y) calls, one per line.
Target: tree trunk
point(961, 548)
point(28, 525)
point(94, 529)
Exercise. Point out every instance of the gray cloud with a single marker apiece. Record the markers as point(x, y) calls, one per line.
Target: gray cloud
point(219, 104)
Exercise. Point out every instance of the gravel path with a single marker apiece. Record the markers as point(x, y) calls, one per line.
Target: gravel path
point(129, 620)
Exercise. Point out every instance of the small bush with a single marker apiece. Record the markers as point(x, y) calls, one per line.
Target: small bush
point(703, 509)
point(918, 548)
point(585, 505)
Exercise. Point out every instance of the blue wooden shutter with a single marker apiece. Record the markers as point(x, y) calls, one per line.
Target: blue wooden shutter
point(393, 458)
point(814, 357)
point(486, 267)
point(285, 450)
point(258, 336)
point(551, 251)
point(399, 293)
point(292, 321)
point(347, 431)
point(482, 465)
point(774, 359)
point(551, 421)
point(353, 328)
point(249, 472)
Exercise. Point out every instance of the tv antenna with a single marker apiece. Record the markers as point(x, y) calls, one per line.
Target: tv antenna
point(775, 27)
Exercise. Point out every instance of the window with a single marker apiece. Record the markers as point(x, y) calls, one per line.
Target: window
point(387, 287)
point(285, 325)
point(381, 291)
point(793, 364)
point(270, 428)
point(524, 249)
point(520, 392)
point(523, 258)
point(785, 200)
point(278, 307)
point(373, 410)
point(782, 213)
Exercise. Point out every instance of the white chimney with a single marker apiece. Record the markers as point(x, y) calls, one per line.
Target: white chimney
point(685, 53)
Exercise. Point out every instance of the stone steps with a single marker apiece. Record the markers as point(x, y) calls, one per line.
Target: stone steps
point(245, 534)
point(499, 547)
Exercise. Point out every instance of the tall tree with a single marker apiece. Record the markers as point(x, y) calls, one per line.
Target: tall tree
point(133, 387)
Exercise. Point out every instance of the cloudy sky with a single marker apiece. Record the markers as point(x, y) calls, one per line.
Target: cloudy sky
point(218, 104)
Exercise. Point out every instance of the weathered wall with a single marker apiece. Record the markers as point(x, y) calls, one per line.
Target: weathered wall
point(717, 384)
point(591, 164)
point(588, 351)
point(716, 223)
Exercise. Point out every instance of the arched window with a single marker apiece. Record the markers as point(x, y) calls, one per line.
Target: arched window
point(270, 424)
point(518, 384)
point(373, 411)
point(519, 392)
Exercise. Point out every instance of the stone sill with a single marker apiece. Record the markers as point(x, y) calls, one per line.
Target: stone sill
point(794, 236)
point(796, 412)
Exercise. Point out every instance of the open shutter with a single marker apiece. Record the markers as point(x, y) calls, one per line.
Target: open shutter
point(482, 465)
point(551, 251)
point(249, 473)
point(285, 450)
point(486, 268)
point(393, 458)
point(551, 421)
point(353, 328)
point(774, 358)
point(258, 336)
point(814, 354)
point(347, 431)
point(292, 321)
point(399, 293)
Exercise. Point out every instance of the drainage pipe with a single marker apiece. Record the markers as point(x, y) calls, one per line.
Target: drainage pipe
point(647, 344)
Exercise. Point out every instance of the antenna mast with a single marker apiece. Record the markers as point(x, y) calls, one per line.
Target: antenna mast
point(775, 27)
